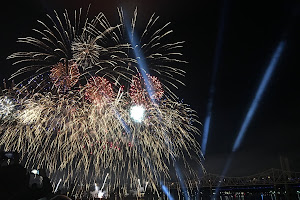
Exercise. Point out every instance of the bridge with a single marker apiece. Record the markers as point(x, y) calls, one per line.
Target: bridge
point(269, 177)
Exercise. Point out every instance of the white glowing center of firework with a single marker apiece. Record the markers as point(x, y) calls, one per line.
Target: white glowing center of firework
point(137, 113)
point(6, 106)
point(100, 194)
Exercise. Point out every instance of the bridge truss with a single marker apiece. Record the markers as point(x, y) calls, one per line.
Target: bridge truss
point(266, 178)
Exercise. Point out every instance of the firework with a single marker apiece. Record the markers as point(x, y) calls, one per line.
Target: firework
point(98, 89)
point(141, 93)
point(6, 107)
point(64, 45)
point(65, 75)
point(83, 124)
point(103, 49)
point(85, 51)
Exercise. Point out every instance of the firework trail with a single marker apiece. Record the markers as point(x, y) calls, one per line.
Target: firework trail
point(72, 113)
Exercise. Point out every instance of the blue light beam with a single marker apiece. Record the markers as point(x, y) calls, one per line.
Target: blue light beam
point(142, 66)
point(206, 128)
point(181, 181)
point(223, 174)
point(167, 192)
point(258, 95)
point(216, 61)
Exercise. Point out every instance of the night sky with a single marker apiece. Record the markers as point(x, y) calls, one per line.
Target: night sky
point(250, 36)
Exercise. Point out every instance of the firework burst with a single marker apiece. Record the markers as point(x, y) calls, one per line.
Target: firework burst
point(84, 127)
point(143, 94)
point(98, 89)
point(65, 74)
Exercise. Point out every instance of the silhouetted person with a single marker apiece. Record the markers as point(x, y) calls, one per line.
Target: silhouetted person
point(47, 187)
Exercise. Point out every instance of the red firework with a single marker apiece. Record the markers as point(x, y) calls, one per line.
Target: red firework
point(65, 74)
point(98, 89)
point(139, 89)
point(155, 87)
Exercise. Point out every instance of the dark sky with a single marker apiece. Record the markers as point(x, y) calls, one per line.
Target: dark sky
point(252, 31)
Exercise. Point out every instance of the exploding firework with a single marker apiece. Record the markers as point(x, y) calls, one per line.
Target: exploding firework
point(65, 75)
point(99, 90)
point(104, 116)
point(6, 107)
point(141, 93)
point(103, 49)
point(64, 45)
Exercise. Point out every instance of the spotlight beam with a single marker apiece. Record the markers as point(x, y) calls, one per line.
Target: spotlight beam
point(144, 71)
point(167, 192)
point(216, 61)
point(268, 73)
point(142, 66)
point(224, 172)
point(181, 181)
point(266, 78)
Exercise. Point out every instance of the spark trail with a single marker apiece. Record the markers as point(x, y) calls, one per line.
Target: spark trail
point(72, 113)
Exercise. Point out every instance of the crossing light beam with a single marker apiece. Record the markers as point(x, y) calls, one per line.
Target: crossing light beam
point(266, 78)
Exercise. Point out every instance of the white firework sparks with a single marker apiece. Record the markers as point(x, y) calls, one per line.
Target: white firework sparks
point(7, 106)
point(87, 128)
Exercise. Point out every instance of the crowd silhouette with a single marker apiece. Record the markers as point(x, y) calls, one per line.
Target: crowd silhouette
point(17, 183)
